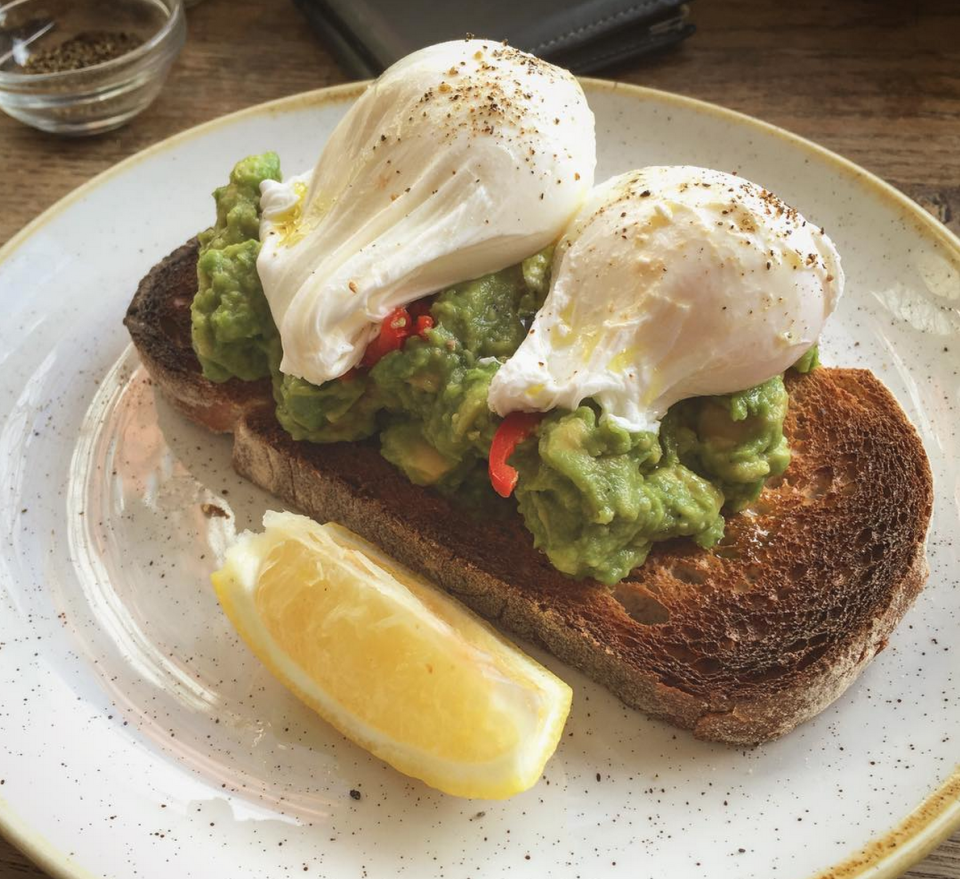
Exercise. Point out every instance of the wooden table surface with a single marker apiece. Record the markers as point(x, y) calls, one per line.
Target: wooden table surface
point(878, 83)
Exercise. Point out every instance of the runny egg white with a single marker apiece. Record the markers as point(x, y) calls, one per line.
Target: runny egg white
point(672, 282)
point(461, 159)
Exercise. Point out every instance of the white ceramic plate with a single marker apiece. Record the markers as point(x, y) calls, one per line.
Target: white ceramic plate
point(138, 737)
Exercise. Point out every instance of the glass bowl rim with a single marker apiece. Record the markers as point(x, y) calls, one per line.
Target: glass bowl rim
point(140, 53)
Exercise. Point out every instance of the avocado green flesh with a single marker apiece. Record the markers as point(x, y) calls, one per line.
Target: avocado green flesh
point(595, 496)
point(337, 411)
point(231, 324)
point(808, 362)
point(436, 385)
point(735, 441)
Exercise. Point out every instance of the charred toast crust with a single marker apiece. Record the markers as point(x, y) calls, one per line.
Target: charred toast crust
point(158, 320)
point(739, 644)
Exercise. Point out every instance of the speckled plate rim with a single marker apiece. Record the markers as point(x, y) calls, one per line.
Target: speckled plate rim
point(885, 857)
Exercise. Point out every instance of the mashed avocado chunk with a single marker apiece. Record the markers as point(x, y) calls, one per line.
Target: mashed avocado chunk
point(231, 322)
point(336, 411)
point(735, 441)
point(489, 316)
point(428, 399)
point(809, 361)
point(437, 384)
point(595, 496)
point(233, 331)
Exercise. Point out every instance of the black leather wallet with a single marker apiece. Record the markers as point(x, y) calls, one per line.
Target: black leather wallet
point(367, 36)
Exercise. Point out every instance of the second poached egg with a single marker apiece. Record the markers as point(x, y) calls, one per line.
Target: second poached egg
point(672, 282)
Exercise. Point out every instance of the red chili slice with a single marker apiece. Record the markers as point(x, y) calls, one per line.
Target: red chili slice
point(513, 430)
point(394, 330)
point(420, 307)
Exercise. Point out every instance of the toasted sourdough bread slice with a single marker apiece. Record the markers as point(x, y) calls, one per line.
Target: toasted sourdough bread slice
point(739, 643)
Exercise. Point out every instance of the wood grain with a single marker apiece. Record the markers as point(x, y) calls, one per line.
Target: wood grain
point(878, 83)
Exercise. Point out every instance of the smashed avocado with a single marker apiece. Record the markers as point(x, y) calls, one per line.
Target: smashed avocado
point(231, 324)
point(336, 411)
point(735, 441)
point(233, 332)
point(438, 426)
point(809, 361)
point(595, 496)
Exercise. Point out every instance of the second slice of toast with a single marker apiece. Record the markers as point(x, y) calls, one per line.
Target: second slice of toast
point(739, 643)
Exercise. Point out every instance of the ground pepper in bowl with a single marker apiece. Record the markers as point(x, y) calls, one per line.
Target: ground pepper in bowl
point(83, 50)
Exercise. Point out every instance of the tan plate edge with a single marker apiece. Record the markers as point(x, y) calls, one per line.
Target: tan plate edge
point(885, 857)
point(892, 854)
point(887, 191)
point(41, 851)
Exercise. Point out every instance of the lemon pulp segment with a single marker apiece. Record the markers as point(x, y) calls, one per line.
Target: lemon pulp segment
point(396, 665)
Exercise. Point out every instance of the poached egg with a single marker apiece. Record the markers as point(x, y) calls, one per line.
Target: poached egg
point(672, 282)
point(461, 159)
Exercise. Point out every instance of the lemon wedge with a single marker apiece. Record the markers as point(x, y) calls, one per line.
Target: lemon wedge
point(394, 664)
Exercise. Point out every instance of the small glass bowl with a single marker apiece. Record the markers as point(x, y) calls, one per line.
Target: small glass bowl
point(102, 96)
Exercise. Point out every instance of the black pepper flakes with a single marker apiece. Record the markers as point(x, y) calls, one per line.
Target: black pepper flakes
point(84, 50)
